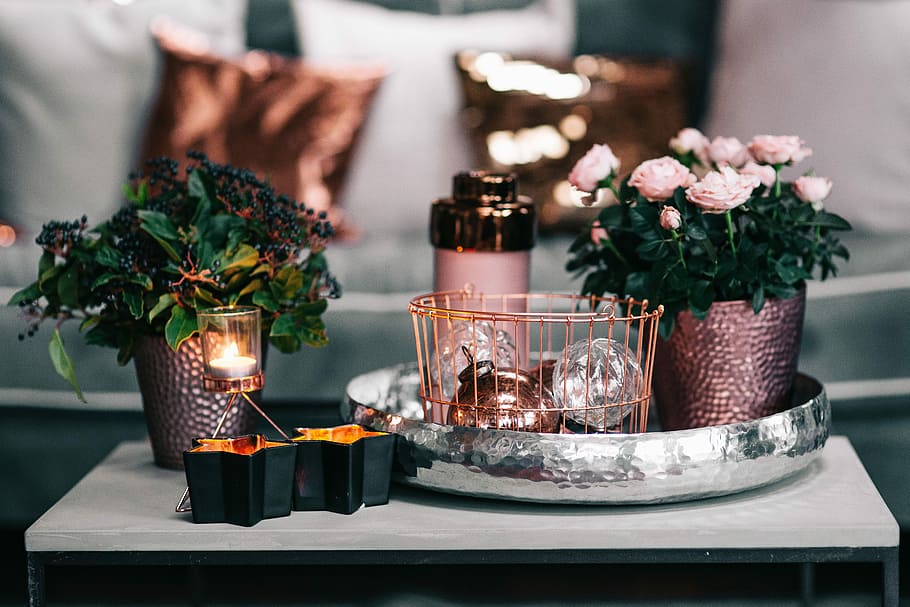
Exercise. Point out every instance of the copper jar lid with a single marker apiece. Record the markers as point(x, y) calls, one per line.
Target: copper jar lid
point(485, 213)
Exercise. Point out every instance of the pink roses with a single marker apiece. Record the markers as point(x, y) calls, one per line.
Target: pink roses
point(597, 165)
point(670, 218)
point(813, 190)
point(722, 190)
point(658, 178)
point(778, 149)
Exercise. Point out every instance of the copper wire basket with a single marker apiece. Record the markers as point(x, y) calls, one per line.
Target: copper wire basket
point(529, 361)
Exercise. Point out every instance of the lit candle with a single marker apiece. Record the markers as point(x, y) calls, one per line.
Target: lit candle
point(232, 365)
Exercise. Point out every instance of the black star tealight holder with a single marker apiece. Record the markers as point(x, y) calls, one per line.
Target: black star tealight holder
point(232, 364)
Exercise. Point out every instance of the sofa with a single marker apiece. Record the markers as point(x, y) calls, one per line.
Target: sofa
point(856, 338)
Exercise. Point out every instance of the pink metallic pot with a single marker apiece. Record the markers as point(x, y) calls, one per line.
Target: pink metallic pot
point(732, 366)
point(176, 407)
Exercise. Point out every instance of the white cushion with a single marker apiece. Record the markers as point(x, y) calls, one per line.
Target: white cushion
point(838, 75)
point(76, 81)
point(414, 141)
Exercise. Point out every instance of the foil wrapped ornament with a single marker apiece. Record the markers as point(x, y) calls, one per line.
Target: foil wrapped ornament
point(468, 339)
point(590, 380)
point(505, 399)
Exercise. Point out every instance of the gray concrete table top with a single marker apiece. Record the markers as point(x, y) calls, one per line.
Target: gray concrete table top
point(127, 504)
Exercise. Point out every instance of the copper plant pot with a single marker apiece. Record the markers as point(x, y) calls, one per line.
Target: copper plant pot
point(732, 366)
point(176, 407)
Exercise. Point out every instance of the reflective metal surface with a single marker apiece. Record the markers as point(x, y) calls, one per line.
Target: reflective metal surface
point(653, 467)
point(753, 362)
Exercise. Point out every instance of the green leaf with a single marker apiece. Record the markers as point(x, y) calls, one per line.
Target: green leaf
point(637, 285)
point(108, 257)
point(46, 262)
point(197, 187)
point(124, 347)
point(610, 217)
point(251, 287)
point(47, 280)
point(68, 287)
point(287, 282)
point(650, 250)
point(261, 269)
point(264, 300)
point(180, 327)
point(143, 280)
point(28, 294)
point(311, 308)
point(701, 296)
point(165, 301)
point(790, 274)
point(204, 296)
point(285, 324)
point(696, 232)
point(758, 299)
point(137, 196)
point(63, 364)
point(243, 258)
point(134, 302)
point(644, 218)
point(285, 343)
point(831, 221)
point(158, 226)
point(104, 279)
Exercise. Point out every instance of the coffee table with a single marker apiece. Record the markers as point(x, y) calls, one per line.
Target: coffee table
point(122, 513)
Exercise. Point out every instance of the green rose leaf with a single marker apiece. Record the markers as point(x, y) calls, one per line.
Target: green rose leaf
point(637, 285)
point(701, 296)
point(830, 221)
point(696, 232)
point(651, 250)
point(63, 364)
point(644, 218)
point(758, 299)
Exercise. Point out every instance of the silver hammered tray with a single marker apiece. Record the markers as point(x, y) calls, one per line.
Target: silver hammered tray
point(652, 467)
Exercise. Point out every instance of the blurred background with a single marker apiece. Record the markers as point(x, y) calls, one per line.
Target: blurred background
point(90, 88)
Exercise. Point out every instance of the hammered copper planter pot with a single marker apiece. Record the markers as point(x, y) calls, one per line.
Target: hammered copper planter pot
point(176, 407)
point(733, 366)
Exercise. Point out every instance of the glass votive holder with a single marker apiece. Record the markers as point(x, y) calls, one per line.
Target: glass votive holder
point(231, 348)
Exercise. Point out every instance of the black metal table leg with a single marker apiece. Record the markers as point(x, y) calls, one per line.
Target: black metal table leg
point(36, 579)
point(891, 578)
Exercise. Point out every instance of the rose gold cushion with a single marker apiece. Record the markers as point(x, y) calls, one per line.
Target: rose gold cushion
point(293, 123)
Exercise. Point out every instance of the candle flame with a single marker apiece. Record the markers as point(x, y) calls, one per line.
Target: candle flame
point(232, 351)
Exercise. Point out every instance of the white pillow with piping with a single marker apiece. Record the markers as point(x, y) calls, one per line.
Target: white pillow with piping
point(414, 140)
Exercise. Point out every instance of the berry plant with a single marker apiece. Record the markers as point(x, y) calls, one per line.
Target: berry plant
point(211, 235)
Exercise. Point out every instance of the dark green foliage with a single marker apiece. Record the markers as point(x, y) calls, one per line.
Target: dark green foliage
point(214, 236)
